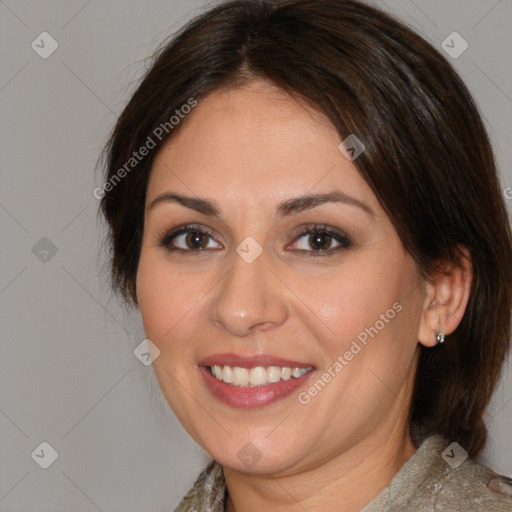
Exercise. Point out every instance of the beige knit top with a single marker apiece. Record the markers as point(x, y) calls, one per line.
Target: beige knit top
point(427, 482)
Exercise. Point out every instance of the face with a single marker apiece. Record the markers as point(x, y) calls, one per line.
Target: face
point(266, 256)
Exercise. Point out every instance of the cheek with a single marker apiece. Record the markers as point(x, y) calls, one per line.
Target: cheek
point(169, 300)
point(349, 303)
point(364, 321)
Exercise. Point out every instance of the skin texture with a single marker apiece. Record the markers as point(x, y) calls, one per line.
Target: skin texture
point(247, 150)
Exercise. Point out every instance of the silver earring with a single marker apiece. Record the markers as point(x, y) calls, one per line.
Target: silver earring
point(439, 337)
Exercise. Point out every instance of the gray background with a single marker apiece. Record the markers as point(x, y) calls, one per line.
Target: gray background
point(68, 375)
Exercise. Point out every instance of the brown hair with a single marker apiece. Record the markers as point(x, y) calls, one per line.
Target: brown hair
point(427, 159)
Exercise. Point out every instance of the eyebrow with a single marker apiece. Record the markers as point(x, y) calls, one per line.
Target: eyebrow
point(288, 207)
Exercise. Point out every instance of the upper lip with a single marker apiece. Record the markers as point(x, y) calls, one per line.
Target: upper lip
point(251, 361)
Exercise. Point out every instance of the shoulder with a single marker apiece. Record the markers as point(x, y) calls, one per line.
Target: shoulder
point(473, 487)
point(445, 480)
point(208, 492)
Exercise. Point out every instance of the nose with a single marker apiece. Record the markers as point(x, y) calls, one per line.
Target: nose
point(250, 299)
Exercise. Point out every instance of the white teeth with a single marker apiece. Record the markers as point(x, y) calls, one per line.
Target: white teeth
point(286, 373)
point(227, 374)
point(240, 376)
point(296, 373)
point(217, 371)
point(274, 373)
point(257, 376)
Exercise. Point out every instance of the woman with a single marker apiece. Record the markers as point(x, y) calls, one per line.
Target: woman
point(303, 203)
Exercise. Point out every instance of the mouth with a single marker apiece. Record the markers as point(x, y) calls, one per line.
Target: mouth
point(254, 381)
point(257, 376)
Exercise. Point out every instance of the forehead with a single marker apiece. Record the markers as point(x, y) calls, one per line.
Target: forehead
point(255, 144)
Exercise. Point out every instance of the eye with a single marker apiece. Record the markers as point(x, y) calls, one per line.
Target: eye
point(321, 241)
point(190, 239)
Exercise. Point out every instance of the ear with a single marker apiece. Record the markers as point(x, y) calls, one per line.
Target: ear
point(446, 299)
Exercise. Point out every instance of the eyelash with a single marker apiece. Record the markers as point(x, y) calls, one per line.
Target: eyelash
point(168, 237)
point(311, 229)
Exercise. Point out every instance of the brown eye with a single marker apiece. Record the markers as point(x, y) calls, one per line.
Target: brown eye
point(191, 239)
point(196, 240)
point(320, 241)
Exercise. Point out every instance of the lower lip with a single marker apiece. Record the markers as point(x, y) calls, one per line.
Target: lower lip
point(247, 397)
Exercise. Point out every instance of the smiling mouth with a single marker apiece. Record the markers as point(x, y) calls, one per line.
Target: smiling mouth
point(257, 376)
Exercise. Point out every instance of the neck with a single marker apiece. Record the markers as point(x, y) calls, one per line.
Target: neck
point(346, 483)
